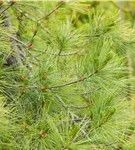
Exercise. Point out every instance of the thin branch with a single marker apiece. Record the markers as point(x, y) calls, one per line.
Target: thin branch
point(60, 51)
point(25, 45)
point(32, 19)
point(78, 107)
point(98, 126)
point(19, 41)
point(33, 36)
point(71, 53)
point(16, 49)
point(130, 75)
point(110, 144)
point(62, 102)
point(82, 131)
point(3, 11)
point(48, 53)
point(47, 15)
point(76, 119)
point(79, 36)
point(9, 95)
point(80, 119)
point(90, 36)
point(66, 54)
point(76, 81)
point(59, 54)
point(88, 92)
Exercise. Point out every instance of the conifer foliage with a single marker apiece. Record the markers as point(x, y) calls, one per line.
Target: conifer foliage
point(64, 80)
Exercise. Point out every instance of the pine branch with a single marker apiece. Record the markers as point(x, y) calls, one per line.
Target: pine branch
point(26, 46)
point(98, 126)
point(130, 75)
point(60, 51)
point(76, 81)
point(79, 36)
point(16, 39)
point(59, 54)
point(82, 131)
point(110, 144)
point(78, 107)
point(42, 52)
point(72, 117)
point(16, 50)
point(33, 20)
point(47, 15)
point(88, 92)
point(66, 54)
point(17, 55)
point(62, 102)
point(90, 37)
point(4, 10)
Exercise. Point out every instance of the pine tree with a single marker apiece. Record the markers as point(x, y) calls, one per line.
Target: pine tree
point(65, 81)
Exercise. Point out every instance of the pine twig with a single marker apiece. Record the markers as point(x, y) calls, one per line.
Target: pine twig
point(62, 102)
point(33, 20)
point(16, 49)
point(4, 10)
point(78, 107)
point(76, 81)
point(47, 15)
point(74, 117)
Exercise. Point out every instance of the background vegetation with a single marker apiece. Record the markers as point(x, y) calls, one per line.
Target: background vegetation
point(67, 75)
